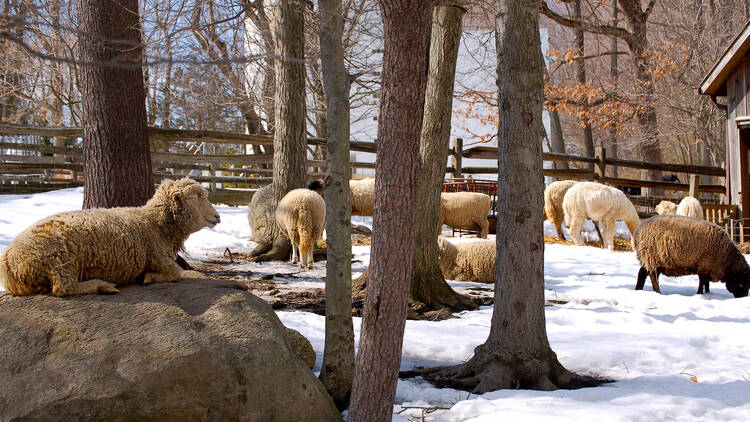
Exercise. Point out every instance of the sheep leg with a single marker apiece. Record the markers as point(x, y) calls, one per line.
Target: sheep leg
point(66, 286)
point(642, 273)
point(168, 270)
point(295, 251)
point(599, 232)
point(655, 281)
point(484, 228)
point(608, 234)
point(305, 251)
point(703, 281)
point(574, 230)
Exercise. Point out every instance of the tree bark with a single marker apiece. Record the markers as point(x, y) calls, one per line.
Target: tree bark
point(429, 291)
point(588, 136)
point(289, 140)
point(337, 373)
point(613, 71)
point(517, 353)
point(116, 154)
point(405, 25)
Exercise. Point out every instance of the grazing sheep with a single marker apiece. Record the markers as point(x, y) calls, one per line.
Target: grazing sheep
point(468, 261)
point(599, 203)
point(363, 196)
point(675, 245)
point(91, 251)
point(553, 199)
point(690, 207)
point(465, 211)
point(301, 214)
point(666, 208)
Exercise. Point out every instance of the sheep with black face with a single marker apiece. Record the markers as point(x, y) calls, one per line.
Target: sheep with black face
point(675, 245)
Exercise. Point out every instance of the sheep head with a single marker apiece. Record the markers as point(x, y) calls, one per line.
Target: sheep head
point(187, 202)
point(666, 207)
point(738, 284)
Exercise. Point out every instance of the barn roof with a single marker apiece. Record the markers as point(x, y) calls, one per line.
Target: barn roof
point(715, 82)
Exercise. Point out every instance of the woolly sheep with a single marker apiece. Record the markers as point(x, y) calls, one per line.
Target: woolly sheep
point(468, 261)
point(677, 245)
point(301, 214)
point(91, 251)
point(666, 208)
point(599, 203)
point(690, 207)
point(363, 196)
point(553, 199)
point(260, 213)
point(465, 211)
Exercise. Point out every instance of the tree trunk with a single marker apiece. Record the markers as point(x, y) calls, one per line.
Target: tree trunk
point(517, 353)
point(116, 155)
point(405, 25)
point(557, 142)
point(429, 291)
point(289, 140)
point(613, 71)
point(588, 136)
point(644, 88)
point(337, 373)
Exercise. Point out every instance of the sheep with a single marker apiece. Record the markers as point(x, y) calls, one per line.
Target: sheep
point(465, 211)
point(363, 196)
point(666, 208)
point(553, 199)
point(92, 251)
point(598, 202)
point(301, 215)
point(468, 261)
point(260, 214)
point(690, 207)
point(676, 245)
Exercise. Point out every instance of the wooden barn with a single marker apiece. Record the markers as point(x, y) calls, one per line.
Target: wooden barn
point(730, 78)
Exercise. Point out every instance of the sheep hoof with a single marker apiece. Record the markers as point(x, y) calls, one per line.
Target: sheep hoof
point(106, 288)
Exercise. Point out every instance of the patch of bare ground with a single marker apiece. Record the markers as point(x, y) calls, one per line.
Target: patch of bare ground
point(621, 245)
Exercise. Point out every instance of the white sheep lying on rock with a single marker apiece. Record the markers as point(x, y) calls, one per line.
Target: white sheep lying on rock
point(91, 251)
point(598, 202)
point(666, 208)
point(468, 261)
point(363, 196)
point(675, 245)
point(301, 214)
point(465, 211)
point(690, 207)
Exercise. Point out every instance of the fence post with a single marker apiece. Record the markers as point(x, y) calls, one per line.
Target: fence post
point(694, 184)
point(458, 149)
point(600, 170)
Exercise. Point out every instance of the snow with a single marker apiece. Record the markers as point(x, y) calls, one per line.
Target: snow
point(650, 344)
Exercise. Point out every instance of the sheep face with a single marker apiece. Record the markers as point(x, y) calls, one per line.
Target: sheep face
point(738, 284)
point(197, 210)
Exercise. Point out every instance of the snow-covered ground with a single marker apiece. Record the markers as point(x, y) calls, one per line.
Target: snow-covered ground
point(676, 356)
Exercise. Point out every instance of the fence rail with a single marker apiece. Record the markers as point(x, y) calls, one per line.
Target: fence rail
point(60, 166)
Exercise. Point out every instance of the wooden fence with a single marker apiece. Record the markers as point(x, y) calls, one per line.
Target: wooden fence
point(58, 167)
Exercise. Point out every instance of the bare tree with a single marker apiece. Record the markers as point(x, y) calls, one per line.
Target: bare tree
point(337, 373)
point(517, 353)
point(116, 154)
point(405, 24)
point(429, 291)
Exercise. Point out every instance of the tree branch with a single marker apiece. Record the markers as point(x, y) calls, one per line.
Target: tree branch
point(612, 31)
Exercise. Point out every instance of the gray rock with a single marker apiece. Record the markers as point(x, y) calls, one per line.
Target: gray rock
point(189, 351)
point(301, 347)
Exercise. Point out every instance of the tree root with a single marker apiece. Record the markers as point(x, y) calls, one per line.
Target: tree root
point(490, 371)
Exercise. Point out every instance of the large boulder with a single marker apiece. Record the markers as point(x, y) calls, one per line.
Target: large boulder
point(197, 350)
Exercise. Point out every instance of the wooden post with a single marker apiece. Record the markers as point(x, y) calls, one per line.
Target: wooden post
point(458, 149)
point(600, 170)
point(694, 184)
